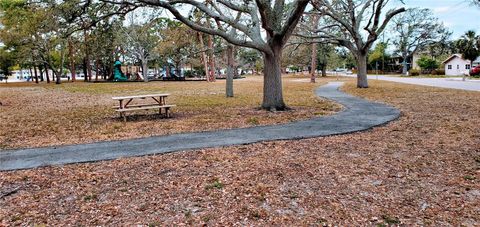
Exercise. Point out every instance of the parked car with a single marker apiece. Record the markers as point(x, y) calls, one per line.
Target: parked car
point(475, 71)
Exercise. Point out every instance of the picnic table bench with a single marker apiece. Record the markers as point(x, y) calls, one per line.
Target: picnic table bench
point(126, 105)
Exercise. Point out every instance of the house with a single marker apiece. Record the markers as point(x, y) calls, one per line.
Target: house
point(455, 65)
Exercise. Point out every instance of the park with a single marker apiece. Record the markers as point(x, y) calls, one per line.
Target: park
point(252, 113)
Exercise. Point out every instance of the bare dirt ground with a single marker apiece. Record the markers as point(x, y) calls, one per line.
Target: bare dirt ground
point(423, 169)
point(48, 114)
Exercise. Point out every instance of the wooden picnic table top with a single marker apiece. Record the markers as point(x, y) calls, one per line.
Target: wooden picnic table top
point(140, 96)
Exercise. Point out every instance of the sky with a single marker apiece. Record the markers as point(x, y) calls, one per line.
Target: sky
point(458, 15)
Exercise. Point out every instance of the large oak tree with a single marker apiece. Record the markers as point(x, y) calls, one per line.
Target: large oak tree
point(264, 25)
point(416, 29)
point(355, 25)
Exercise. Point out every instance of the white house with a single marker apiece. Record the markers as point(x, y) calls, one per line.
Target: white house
point(455, 65)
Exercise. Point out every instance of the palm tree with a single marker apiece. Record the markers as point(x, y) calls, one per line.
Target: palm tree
point(469, 45)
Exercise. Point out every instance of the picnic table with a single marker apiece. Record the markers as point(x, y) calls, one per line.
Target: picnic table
point(127, 103)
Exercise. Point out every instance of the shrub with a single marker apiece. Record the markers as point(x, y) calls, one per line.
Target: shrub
point(427, 64)
point(414, 72)
point(440, 72)
point(193, 73)
point(188, 73)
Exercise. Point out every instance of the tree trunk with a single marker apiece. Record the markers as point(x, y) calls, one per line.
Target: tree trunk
point(362, 80)
point(272, 80)
point(85, 71)
point(404, 67)
point(313, 63)
point(35, 72)
point(97, 69)
point(89, 69)
point(404, 63)
point(72, 59)
point(40, 70)
point(204, 55)
point(230, 71)
point(31, 73)
point(58, 76)
point(324, 70)
point(211, 58)
point(110, 68)
point(145, 70)
point(178, 69)
point(87, 57)
point(46, 73)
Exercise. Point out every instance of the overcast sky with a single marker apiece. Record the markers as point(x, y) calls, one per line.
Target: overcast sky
point(458, 15)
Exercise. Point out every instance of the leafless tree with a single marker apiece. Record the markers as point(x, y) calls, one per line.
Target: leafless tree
point(264, 25)
point(416, 29)
point(313, 67)
point(356, 25)
point(141, 40)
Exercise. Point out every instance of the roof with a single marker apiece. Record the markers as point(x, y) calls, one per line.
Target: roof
point(452, 57)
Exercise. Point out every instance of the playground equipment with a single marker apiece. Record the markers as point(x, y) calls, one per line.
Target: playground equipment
point(117, 72)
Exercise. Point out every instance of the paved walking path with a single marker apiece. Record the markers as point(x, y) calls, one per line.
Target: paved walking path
point(358, 115)
point(453, 83)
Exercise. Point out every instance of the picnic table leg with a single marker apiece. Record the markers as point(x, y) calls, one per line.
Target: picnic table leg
point(122, 114)
point(121, 107)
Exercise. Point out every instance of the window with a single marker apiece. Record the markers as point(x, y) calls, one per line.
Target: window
point(449, 66)
point(467, 66)
point(458, 66)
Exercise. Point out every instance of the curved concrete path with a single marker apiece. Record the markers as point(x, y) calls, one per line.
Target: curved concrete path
point(358, 115)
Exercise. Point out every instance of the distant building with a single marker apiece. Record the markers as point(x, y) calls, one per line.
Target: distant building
point(415, 58)
point(455, 65)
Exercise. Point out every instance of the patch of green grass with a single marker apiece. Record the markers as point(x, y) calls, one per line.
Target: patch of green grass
point(477, 159)
point(216, 184)
point(15, 218)
point(90, 197)
point(391, 220)
point(293, 195)
point(469, 177)
point(430, 76)
point(322, 222)
point(253, 121)
point(154, 224)
point(188, 213)
point(206, 218)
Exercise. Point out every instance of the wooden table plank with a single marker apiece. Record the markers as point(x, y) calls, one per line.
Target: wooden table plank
point(139, 96)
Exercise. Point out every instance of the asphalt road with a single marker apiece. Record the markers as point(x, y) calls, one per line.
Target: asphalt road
point(453, 83)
